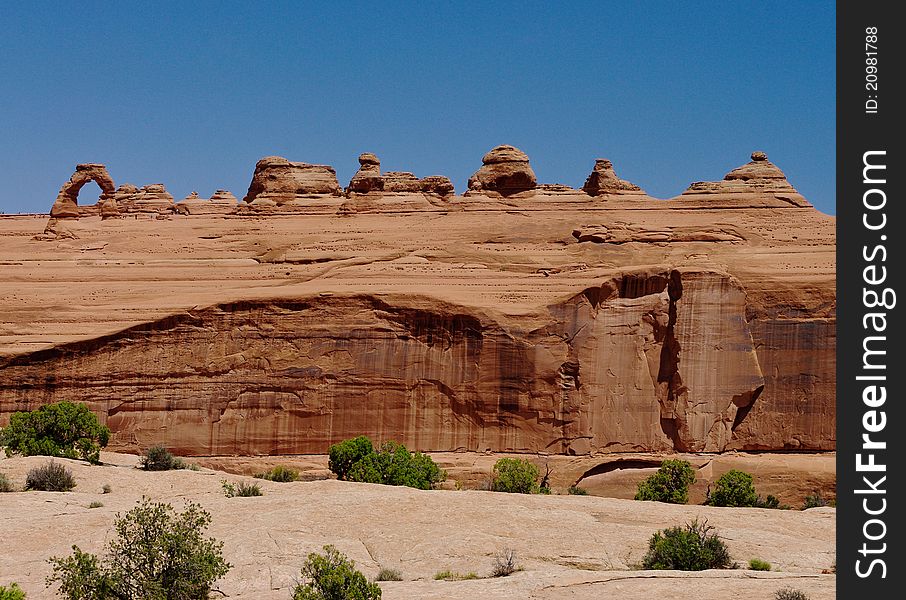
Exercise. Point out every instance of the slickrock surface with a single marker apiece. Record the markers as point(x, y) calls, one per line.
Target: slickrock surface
point(603, 181)
point(66, 204)
point(220, 203)
point(505, 170)
point(569, 546)
point(281, 184)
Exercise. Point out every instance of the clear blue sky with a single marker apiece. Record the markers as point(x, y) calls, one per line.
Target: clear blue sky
point(191, 94)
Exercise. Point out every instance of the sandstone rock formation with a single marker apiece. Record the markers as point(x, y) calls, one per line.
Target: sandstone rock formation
point(758, 181)
point(505, 170)
point(66, 204)
point(368, 178)
point(222, 202)
point(603, 181)
point(568, 325)
point(153, 198)
point(279, 183)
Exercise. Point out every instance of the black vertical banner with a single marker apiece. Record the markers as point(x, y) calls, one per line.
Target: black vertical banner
point(871, 268)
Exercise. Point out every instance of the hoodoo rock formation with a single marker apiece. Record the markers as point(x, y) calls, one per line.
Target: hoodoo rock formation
point(66, 204)
point(758, 181)
point(153, 198)
point(505, 170)
point(603, 181)
point(570, 325)
point(368, 178)
point(279, 183)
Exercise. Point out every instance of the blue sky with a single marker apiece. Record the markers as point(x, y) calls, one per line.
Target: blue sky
point(191, 94)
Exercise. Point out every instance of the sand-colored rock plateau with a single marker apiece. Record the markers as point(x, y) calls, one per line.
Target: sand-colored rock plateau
point(577, 547)
point(540, 320)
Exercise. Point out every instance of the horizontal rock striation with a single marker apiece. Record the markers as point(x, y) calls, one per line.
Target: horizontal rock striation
point(657, 360)
point(279, 183)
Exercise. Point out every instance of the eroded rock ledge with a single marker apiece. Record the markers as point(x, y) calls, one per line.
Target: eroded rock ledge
point(651, 360)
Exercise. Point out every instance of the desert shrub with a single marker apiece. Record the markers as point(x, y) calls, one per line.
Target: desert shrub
point(769, 502)
point(158, 458)
point(394, 464)
point(757, 564)
point(386, 574)
point(157, 554)
point(575, 490)
point(106, 489)
point(13, 592)
point(515, 475)
point(344, 455)
point(692, 547)
point(96, 504)
point(62, 429)
point(279, 474)
point(50, 477)
point(789, 593)
point(814, 501)
point(449, 575)
point(670, 484)
point(5, 484)
point(733, 488)
point(332, 576)
point(241, 489)
point(505, 564)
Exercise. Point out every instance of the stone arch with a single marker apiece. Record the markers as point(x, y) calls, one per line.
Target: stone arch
point(66, 204)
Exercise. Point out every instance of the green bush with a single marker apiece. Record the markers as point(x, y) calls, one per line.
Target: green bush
point(96, 504)
point(449, 575)
point(50, 477)
point(733, 488)
point(5, 484)
point(62, 429)
point(769, 502)
point(344, 455)
point(241, 489)
point(13, 592)
point(386, 574)
point(515, 476)
point(670, 484)
point(332, 576)
point(814, 501)
point(575, 490)
point(157, 554)
point(393, 464)
point(789, 593)
point(759, 565)
point(689, 548)
point(279, 474)
point(158, 458)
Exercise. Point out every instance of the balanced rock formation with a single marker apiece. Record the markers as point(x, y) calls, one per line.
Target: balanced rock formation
point(66, 204)
point(759, 181)
point(603, 181)
point(221, 203)
point(505, 170)
point(153, 198)
point(277, 182)
point(368, 178)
